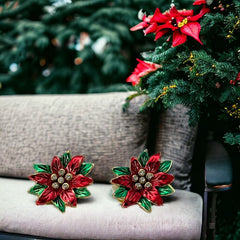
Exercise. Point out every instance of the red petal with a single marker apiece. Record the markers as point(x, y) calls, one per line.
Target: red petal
point(139, 26)
point(80, 181)
point(203, 11)
point(41, 178)
point(153, 163)
point(74, 164)
point(161, 179)
point(153, 195)
point(174, 11)
point(56, 164)
point(135, 165)
point(68, 196)
point(131, 198)
point(134, 79)
point(186, 13)
point(199, 2)
point(192, 29)
point(47, 195)
point(160, 33)
point(124, 180)
point(158, 17)
point(152, 28)
point(178, 38)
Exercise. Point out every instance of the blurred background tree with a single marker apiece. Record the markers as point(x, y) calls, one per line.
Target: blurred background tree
point(70, 46)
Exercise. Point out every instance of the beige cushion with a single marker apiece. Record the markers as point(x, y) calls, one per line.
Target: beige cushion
point(175, 139)
point(99, 217)
point(35, 128)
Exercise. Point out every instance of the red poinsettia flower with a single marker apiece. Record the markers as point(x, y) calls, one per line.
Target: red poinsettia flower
point(61, 181)
point(199, 2)
point(182, 23)
point(142, 69)
point(143, 182)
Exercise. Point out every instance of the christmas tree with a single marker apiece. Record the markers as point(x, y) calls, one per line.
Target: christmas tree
point(69, 46)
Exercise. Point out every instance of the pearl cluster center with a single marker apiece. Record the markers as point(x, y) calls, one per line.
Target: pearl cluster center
point(142, 179)
point(61, 179)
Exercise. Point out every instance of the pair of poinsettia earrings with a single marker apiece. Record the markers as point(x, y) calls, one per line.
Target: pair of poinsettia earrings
point(144, 183)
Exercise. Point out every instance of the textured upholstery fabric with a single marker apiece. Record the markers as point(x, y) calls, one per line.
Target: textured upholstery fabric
point(33, 129)
point(175, 139)
point(99, 217)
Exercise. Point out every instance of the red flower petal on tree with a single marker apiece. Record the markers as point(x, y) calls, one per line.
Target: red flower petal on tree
point(151, 28)
point(124, 180)
point(47, 196)
point(160, 33)
point(153, 163)
point(80, 181)
point(41, 178)
point(161, 179)
point(139, 26)
point(158, 17)
point(131, 198)
point(199, 2)
point(142, 69)
point(192, 29)
point(68, 196)
point(186, 13)
point(203, 11)
point(154, 196)
point(56, 164)
point(74, 164)
point(178, 38)
point(135, 166)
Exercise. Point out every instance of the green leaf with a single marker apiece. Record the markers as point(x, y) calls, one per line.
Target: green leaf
point(59, 203)
point(85, 168)
point(42, 168)
point(166, 190)
point(121, 171)
point(120, 192)
point(143, 157)
point(37, 189)
point(145, 204)
point(65, 159)
point(165, 166)
point(81, 192)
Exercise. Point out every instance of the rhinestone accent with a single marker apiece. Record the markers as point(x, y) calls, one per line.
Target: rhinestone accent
point(65, 186)
point(68, 176)
point(61, 180)
point(149, 176)
point(61, 172)
point(55, 185)
point(141, 172)
point(138, 186)
point(54, 177)
point(134, 178)
point(142, 180)
point(148, 185)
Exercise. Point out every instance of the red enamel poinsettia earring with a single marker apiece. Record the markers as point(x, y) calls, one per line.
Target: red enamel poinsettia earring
point(62, 182)
point(144, 183)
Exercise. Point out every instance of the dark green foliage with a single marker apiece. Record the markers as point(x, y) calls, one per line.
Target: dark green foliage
point(199, 76)
point(85, 46)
